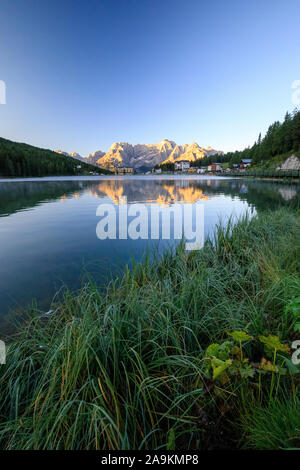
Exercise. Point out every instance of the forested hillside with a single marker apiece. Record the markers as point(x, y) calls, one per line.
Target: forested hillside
point(281, 139)
point(18, 159)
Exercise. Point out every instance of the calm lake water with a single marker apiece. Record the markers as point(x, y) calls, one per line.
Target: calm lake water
point(48, 226)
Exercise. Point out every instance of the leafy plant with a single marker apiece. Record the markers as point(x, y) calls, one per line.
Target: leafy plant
point(227, 360)
point(273, 343)
point(240, 336)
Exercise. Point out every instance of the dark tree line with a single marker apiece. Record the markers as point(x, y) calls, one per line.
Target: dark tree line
point(197, 163)
point(22, 160)
point(217, 158)
point(166, 167)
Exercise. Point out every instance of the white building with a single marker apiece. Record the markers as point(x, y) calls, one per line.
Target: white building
point(182, 165)
point(214, 167)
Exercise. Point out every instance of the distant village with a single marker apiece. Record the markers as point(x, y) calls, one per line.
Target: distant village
point(185, 166)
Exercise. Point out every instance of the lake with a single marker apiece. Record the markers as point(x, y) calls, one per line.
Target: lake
point(49, 227)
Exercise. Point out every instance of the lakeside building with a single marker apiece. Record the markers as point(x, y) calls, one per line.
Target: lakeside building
point(214, 167)
point(192, 170)
point(201, 170)
point(123, 170)
point(182, 165)
point(244, 163)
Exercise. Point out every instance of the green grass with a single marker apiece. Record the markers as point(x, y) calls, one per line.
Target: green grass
point(275, 161)
point(273, 427)
point(126, 369)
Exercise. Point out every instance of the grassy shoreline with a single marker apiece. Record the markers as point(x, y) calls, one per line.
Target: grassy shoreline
point(138, 367)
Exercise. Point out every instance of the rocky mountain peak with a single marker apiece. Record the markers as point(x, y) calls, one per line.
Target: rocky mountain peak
point(144, 155)
point(149, 155)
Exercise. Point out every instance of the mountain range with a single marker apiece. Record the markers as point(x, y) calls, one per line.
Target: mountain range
point(142, 156)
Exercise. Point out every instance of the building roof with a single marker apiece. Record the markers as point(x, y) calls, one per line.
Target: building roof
point(182, 161)
point(246, 160)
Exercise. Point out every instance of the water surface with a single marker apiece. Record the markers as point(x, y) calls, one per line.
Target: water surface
point(48, 226)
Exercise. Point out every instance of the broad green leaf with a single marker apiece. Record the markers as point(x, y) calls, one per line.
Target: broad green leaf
point(224, 350)
point(236, 351)
point(219, 366)
point(247, 371)
point(221, 351)
point(212, 350)
point(225, 346)
point(240, 336)
point(273, 342)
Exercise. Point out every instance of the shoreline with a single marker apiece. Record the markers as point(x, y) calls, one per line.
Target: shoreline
point(165, 176)
point(111, 177)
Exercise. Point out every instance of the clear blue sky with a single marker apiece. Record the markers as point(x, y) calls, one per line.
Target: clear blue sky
point(81, 74)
